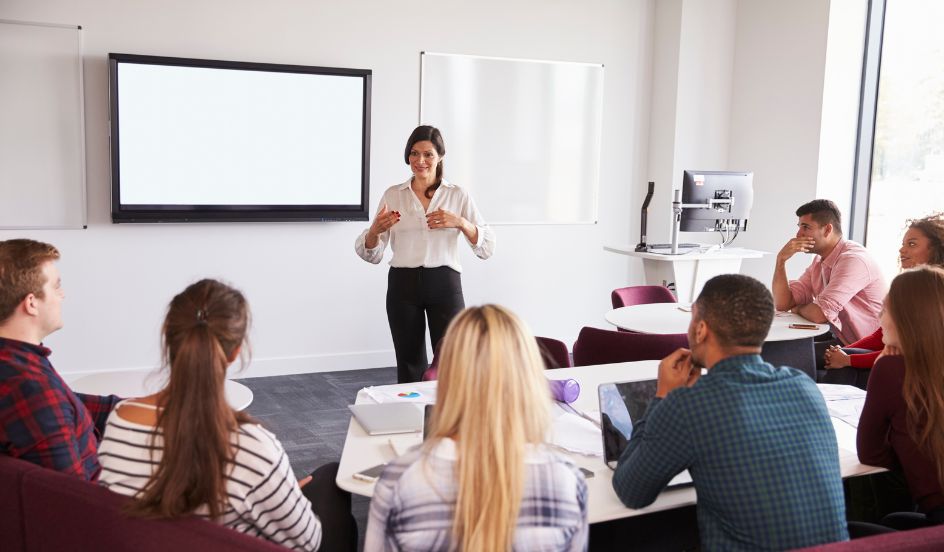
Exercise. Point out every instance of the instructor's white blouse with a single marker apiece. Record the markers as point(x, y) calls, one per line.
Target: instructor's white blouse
point(414, 244)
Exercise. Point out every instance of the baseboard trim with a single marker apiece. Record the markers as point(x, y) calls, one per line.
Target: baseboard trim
point(283, 366)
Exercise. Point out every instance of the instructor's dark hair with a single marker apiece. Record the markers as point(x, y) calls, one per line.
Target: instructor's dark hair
point(737, 308)
point(428, 133)
point(206, 325)
point(824, 212)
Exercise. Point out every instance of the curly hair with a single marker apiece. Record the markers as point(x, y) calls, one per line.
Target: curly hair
point(932, 226)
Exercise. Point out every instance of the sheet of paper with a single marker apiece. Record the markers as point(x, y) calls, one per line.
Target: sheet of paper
point(848, 411)
point(423, 392)
point(833, 392)
point(575, 434)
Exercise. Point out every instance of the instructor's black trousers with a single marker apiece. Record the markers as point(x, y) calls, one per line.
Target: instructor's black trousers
point(413, 296)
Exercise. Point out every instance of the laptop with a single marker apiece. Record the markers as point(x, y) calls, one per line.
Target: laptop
point(620, 404)
point(389, 418)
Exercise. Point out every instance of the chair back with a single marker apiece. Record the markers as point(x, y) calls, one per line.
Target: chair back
point(554, 352)
point(596, 346)
point(641, 295)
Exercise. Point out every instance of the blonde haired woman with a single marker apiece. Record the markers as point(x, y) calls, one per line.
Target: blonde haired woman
point(483, 480)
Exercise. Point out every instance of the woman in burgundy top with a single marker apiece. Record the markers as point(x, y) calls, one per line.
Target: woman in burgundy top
point(900, 426)
point(922, 244)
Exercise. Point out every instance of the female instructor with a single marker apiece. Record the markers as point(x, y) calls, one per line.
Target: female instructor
point(421, 219)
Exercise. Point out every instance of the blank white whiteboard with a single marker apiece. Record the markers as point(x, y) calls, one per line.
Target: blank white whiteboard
point(522, 136)
point(42, 133)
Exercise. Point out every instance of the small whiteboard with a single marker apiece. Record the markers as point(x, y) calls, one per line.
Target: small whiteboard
point(523, 136)
point(42, 133)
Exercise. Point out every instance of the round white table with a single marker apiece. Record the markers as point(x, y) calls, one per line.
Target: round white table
point(139, 383)
point(673, 318)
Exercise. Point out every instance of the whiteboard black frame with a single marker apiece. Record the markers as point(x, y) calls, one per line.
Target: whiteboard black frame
point(234, 213)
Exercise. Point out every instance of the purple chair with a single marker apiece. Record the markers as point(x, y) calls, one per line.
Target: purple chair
point(553, 352)
point(596, 346)
point(641, 295)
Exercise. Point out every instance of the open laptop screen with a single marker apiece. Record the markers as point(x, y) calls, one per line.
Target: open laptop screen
point(622, 403)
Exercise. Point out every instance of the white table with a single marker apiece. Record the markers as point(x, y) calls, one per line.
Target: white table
point(139, 383)
point(672, 318)
point(363, 451)
point(688, 271)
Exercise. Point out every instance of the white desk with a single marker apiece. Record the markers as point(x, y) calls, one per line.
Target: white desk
point(688, 271)
point(139, 383)
point(363, 451)
point(669, 318)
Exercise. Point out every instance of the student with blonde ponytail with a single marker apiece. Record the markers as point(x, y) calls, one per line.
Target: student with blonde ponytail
point(902, 420)
point(483, 480)
point(184, 450)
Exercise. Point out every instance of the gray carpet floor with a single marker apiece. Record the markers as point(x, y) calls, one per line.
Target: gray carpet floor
point(309, 415)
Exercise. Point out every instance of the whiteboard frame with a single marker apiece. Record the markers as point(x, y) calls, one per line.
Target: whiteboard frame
point(80, 68)
point(595, 215)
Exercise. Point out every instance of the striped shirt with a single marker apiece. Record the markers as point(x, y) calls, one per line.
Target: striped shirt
point(264, 497)
point(414, 503)
point(762, 452)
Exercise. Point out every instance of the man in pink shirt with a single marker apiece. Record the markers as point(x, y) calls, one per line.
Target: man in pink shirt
point(842, 286)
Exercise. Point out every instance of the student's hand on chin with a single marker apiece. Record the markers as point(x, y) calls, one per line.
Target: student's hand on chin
point(676, 370)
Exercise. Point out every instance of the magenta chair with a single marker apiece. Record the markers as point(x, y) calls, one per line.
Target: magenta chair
point(553, 352)
point(596, 346)
point(641, 295)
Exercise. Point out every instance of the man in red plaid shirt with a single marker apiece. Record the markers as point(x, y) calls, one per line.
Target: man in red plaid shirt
point(41, 419)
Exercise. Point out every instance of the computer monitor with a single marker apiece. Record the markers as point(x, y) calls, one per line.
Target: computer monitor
point(731, 194)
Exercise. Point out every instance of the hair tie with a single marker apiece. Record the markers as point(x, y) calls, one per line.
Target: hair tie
point(201, 317)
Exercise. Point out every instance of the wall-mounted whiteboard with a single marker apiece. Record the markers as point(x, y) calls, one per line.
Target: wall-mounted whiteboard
point(522, 135)
point(42, 133)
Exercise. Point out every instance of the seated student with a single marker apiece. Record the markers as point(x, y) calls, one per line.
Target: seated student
point(483, 480)
point(842, 286)
point(757, 439)
point(900, 426)
point(41, 420)
point(184, 450)
point(923, 243)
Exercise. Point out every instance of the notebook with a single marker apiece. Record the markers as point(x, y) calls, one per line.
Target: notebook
point(388, 418)
point(620, 404)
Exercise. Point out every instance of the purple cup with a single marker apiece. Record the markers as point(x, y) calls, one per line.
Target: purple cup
point(565, 391)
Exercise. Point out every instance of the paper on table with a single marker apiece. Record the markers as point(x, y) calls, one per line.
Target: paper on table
point(423, 392)
point(848, 411)
point(575, 434)
point(833, 392)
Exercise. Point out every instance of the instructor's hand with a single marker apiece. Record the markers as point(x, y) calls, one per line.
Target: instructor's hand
point(442, 218)
point(382, 222)
point(676, 370)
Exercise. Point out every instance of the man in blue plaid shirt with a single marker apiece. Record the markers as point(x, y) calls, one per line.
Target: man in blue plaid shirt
point(757, 439)
point(41, 420)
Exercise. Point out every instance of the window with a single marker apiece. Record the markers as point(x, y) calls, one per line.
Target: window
point(900, 167)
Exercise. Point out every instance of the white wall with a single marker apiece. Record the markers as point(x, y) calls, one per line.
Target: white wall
point(316, 305)
point(693, 55)
point(740, 85)
point(776, 109)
